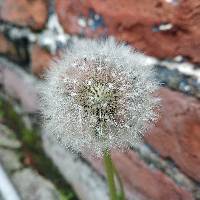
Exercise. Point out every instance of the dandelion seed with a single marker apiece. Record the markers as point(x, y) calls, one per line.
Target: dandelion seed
point(99, 96)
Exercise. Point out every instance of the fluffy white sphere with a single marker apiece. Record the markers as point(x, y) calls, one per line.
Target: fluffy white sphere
point(99, 96)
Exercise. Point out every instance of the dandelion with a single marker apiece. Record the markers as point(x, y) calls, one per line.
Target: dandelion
point(99, 96)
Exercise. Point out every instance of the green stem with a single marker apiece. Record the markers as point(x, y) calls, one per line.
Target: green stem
point(110, 175)
point(122, 193)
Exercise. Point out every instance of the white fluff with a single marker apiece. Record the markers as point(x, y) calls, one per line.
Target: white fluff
point(132, 80)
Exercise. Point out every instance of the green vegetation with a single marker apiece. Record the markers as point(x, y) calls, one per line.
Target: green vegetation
point(32, 152)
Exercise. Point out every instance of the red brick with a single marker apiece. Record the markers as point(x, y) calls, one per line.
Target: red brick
point(133, 21)
point(177, 134)
point(11, 50)
point(6, 46)
point(40, 59)
point(32, 13)
point(142, 181)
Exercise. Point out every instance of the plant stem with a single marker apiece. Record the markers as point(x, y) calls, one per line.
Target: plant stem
point(122, 194)
point(110, 175)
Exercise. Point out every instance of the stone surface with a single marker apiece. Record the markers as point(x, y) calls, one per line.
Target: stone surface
point(7, 191)
point(33, 187)
point(85, 181)
point(8, 138)
point(160, 28)
point(137, 176)
point(9, 145)
point(19, 85)
point(10, 160)
point(176, 135)
point(1, 198)
point(25, 12)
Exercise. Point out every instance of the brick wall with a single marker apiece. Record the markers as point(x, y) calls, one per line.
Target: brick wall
point(167, 165)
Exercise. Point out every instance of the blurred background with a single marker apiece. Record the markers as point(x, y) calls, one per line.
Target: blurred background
point(35, 167)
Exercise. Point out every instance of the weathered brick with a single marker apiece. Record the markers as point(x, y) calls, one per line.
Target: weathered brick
point(15, 50)
point(40, 59)
point(159, 28)
point(6, 47)
point(177, 134)
point(32, 13)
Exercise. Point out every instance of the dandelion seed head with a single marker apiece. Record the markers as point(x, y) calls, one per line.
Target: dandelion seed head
point(98, 96)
